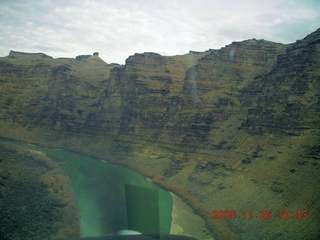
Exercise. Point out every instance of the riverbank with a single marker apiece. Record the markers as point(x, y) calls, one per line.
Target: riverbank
point(99, 189)
point(36, 197)
point(188, 210)
point(185, 222)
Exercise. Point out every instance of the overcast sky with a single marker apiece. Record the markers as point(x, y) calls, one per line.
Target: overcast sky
point(119, 28)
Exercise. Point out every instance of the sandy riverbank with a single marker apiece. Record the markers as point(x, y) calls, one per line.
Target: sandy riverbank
point(186, 222)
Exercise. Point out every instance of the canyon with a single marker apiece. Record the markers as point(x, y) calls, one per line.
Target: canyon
point(230, 129)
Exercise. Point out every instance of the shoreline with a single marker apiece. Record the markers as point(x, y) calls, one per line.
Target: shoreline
point(186, 222)
point(183, 216)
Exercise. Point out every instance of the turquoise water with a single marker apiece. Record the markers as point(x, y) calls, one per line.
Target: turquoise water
point(100, 192)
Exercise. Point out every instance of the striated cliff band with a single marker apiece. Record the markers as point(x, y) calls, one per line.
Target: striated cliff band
point(229, 129)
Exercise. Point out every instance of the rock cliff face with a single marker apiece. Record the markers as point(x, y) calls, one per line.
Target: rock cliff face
point(237, 127)
point(288, 95)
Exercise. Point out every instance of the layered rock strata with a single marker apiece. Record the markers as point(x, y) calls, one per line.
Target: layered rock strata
point(237, 128)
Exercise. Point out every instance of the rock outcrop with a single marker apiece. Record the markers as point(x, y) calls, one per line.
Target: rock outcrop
point(288, 95)
point(237, 128)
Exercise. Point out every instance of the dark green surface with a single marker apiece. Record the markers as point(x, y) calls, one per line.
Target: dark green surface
point(142, 209)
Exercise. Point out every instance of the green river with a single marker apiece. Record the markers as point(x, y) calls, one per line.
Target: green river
point(111, 197)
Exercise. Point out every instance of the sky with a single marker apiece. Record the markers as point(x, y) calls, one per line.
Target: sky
point(120, 28)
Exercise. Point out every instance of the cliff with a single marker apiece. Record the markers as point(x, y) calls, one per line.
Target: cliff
point(237, 128)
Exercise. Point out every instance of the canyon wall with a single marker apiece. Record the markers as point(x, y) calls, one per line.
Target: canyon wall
point(237, 128)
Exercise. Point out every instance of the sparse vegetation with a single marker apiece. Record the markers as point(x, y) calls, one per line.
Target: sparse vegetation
point(252, 106)
point(219, 229)
point(36, 203)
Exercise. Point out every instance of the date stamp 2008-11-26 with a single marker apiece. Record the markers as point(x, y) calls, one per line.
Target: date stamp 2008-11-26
point(263, 214)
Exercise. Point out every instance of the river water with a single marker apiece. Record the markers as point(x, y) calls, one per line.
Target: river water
point(111, 197)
